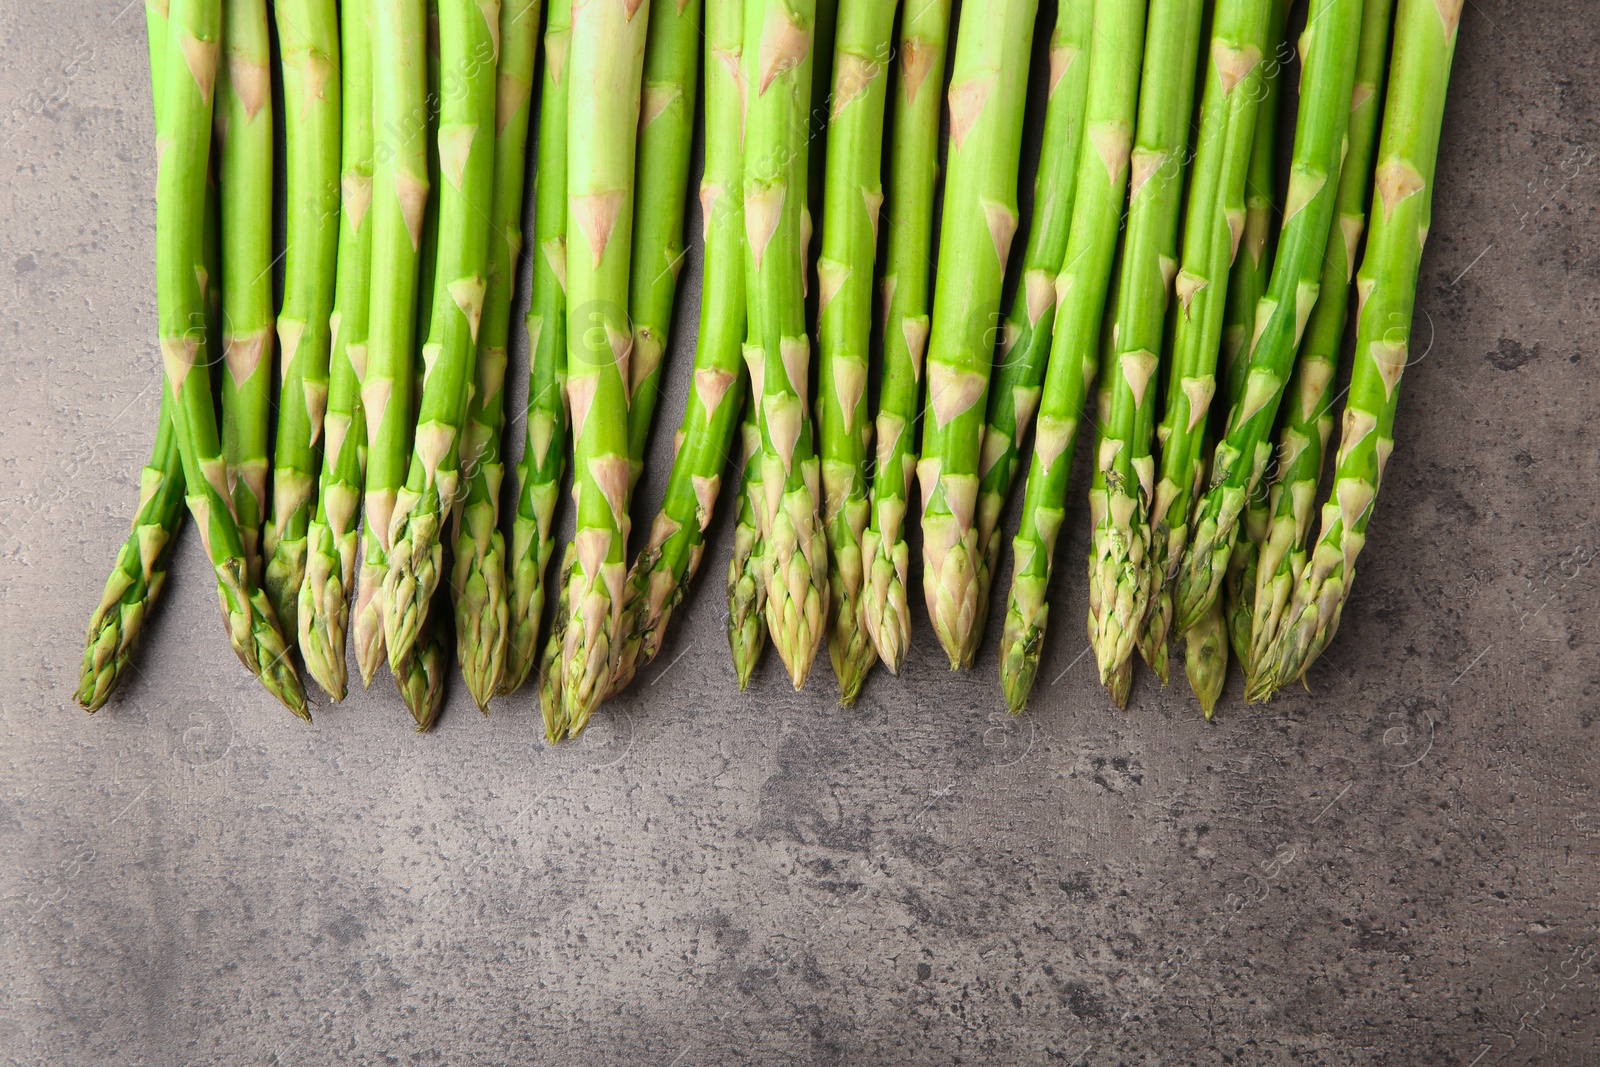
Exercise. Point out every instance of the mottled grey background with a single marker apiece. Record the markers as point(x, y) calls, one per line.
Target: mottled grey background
point(1397, 868)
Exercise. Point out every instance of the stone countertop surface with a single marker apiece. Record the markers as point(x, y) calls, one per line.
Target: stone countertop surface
point(1396, 867)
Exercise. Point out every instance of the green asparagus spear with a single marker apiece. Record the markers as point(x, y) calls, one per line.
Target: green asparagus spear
point(1115, 53)
point(545, 449)
point(1386, 288)
point(1205, 657)
point(478, 577)
point(468, 35)
point(1120, 575)
point(1309, 420)
point(308, 35)
point(747, 589)
point(988, 82)
point(332, 534)
point(243, 131)
point(1252, 264)
point(187, 87)
point(420, 676)
point(666, 132)
point(1247, 282)
point(854, 194)
point(793, 553)
point(1234, 84)
point(1025, 337)
point(141, 567)
point(1329, 45)
point(608, 41)
point(913, 175)
point(668, 563)
point(399, 207)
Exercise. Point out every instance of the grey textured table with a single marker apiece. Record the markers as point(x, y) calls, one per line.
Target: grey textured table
point(1398, 868)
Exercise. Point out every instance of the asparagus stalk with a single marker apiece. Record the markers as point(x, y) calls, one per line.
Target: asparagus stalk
point(853, 196)
point(331, 535)
point(468, 36)
point(1120, 574)
point(666, 132)
point(1247, 282)
point(1252, 264)
point(243, 134)
point(399, 205)
point(778, 69)
point(140, 570)
point(747, 590)
point(1115, 54)
point(187, 87)
point(1239, 581)
point(677, 535)
point(913, 175)
point(1329, 45)
point(1205, 657)
point(987, 84)
point(1025, 337)
point(420, 676)
point(608, 41)
point(1386, 287)
point(544, 451)
point(1240, 39)
point(478, 577)
point(1309, 420)
point(308, 35)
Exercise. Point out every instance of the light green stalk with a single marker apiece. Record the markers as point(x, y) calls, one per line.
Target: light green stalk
point(666, 133)
point(243, 135)
point(141, 568)
point(468, 34)
point(608, 42)
point(308, 35)
point(332, 534)
point(1309, 420)
point(1329, 45)
point(913, 176)
point(478, 577)
point(399, 207)
point(793, 552)
point(668, 563)
point(1241, 42)
point(1386, 288)
point(1025, 337)
point(188, 83)
point(863, 42)
point(1115, 52)
point(1121, 579)
point(544, 452)
point(988, 82)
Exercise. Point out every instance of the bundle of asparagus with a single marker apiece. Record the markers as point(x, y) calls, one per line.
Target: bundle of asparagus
point(406, 126)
